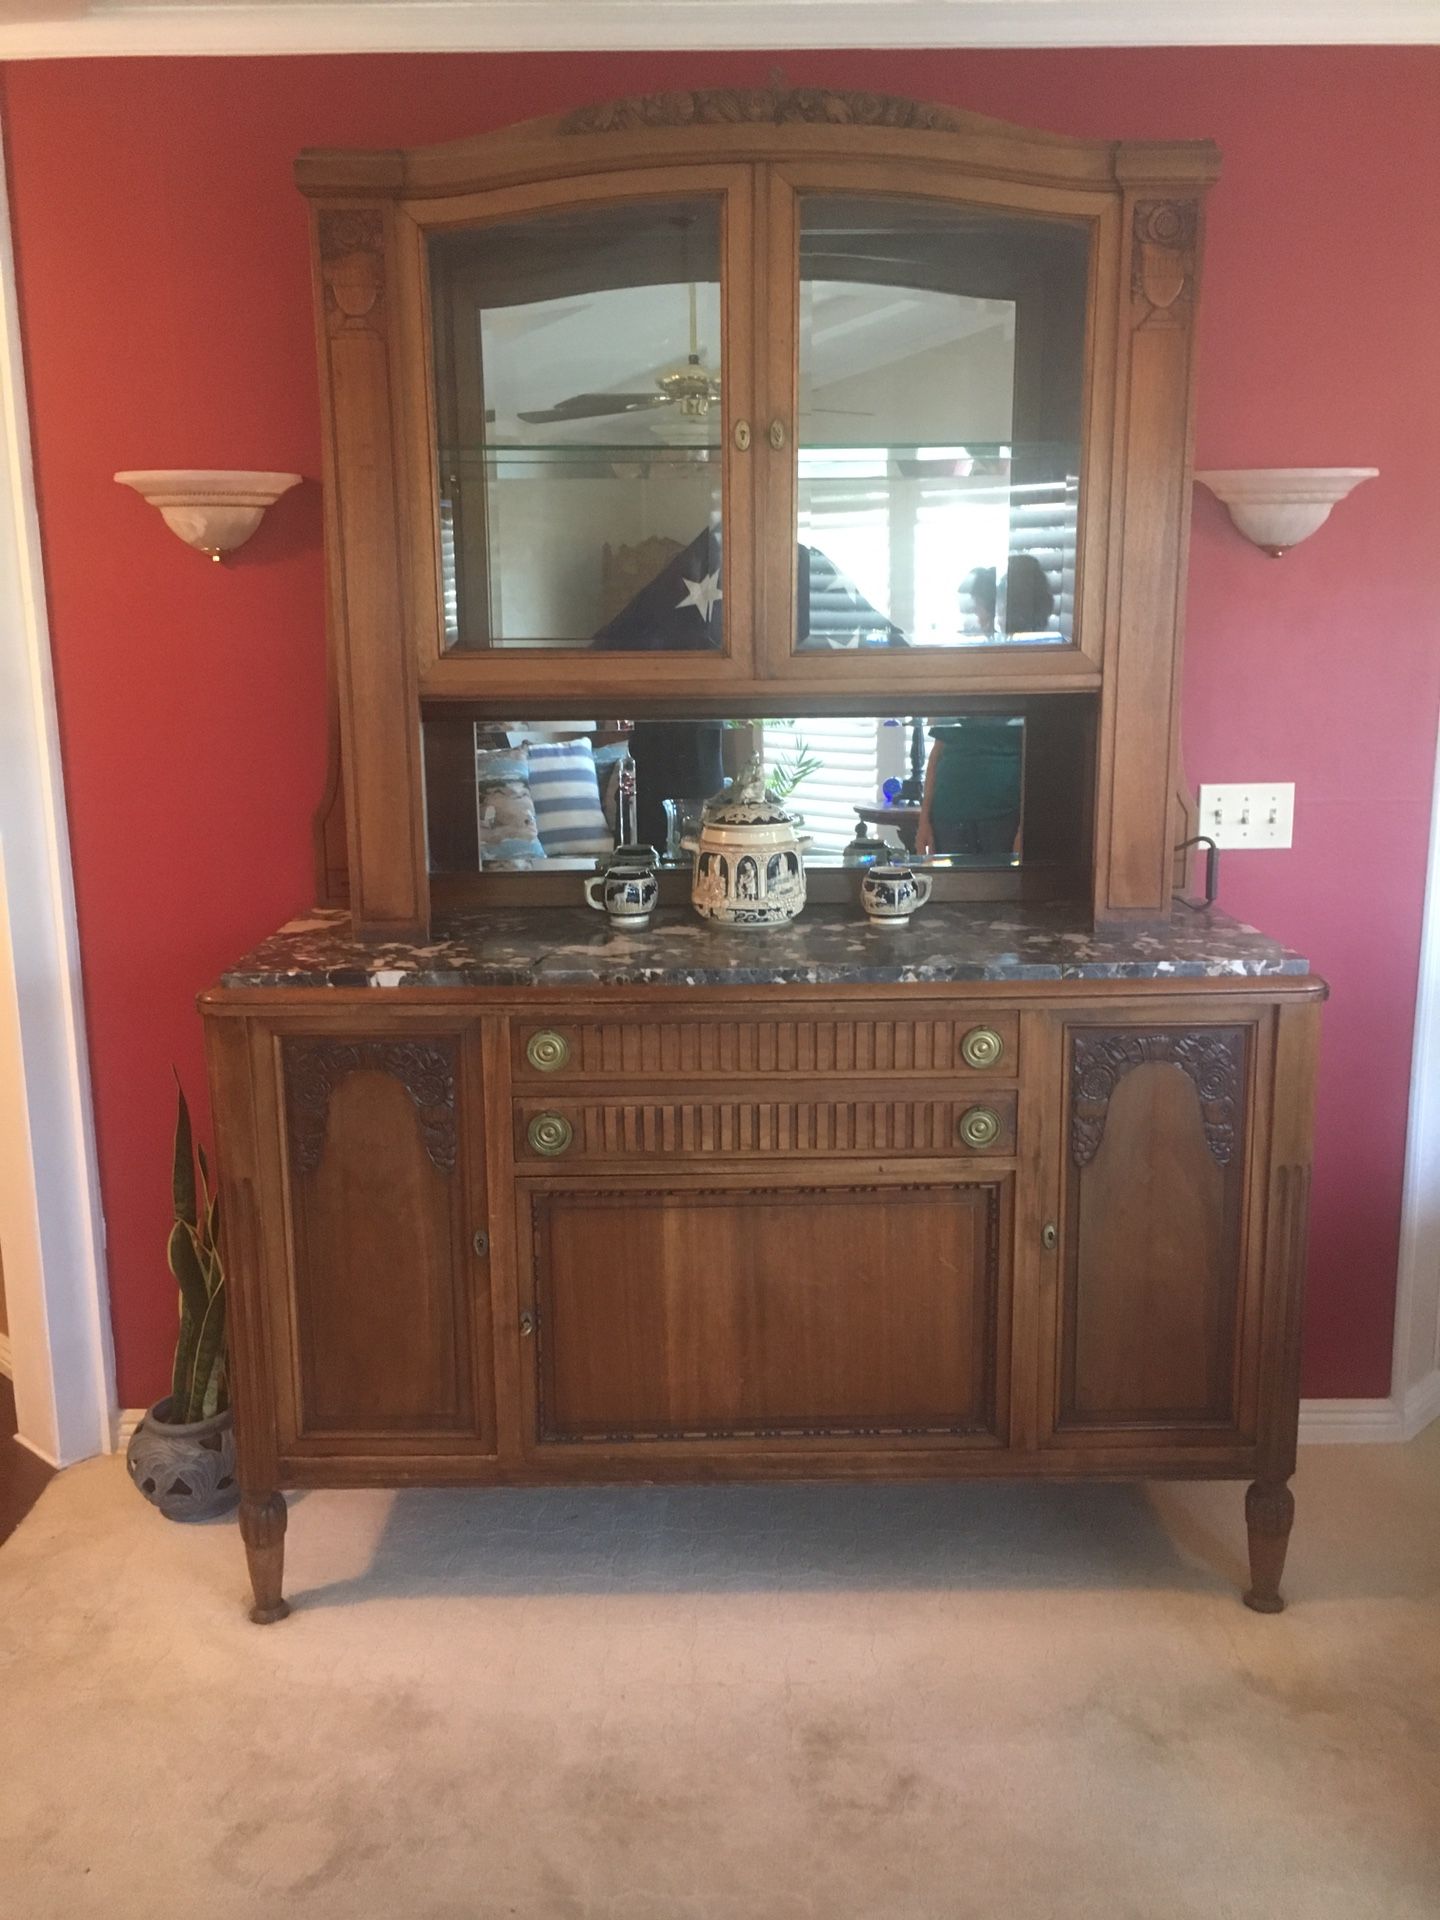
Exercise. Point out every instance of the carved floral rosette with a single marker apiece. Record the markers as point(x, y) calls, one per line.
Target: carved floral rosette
point(1162, 270)
point(314, 1068)
point(352, 264)
point(1213, 1057)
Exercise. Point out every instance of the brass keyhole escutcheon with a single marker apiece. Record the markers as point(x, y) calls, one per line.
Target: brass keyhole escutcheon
point(547, 1051)
point(777, 434)
point(481, 1244)
point(981, 1047)
point(550, 1134)
point(980, 1126)
point(1049, 1236)
point(527, 1325)
point(742, 435)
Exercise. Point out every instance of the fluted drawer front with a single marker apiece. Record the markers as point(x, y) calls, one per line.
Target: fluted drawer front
point(569, 1131)
point(847, 1044)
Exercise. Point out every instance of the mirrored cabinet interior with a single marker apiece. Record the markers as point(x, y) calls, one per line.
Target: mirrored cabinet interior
point(579, 376)
point(849, 435)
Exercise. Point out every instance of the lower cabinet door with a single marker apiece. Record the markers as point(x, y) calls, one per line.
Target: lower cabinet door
point(385, 1320)
point(1157, 1307)
point(872, 1314)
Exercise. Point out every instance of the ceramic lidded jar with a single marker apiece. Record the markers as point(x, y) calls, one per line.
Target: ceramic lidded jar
point(748, 870)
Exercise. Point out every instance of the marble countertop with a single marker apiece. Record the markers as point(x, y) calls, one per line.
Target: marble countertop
point(826, 946)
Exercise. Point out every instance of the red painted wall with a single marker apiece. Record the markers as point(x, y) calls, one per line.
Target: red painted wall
point(166, 304)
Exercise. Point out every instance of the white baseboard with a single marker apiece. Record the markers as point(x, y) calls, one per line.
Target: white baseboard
point(127, 1419)
point(1345, 1423)
point(6, 1367)
point(1422, 1404)
point(1350, 1423)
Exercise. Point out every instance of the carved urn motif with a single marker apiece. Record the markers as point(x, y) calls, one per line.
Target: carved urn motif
point(748, 869)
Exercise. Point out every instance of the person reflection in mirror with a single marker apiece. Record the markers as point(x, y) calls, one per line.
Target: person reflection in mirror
point(971, 804)
point(977, 604)
point(1026, 601)
point(1019, 608)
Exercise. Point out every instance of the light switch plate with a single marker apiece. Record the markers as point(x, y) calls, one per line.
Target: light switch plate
point(1248, 813)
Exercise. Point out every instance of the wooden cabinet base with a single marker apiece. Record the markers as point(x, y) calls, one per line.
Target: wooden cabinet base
point(737, 1237)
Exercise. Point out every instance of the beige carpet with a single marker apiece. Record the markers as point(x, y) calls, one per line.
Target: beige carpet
point(849, 1703)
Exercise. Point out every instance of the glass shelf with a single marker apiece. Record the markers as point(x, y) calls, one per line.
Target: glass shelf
point(581, 450)
point(1062, 451)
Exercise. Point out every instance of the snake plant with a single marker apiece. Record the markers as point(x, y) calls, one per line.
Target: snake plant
point(199, 1388)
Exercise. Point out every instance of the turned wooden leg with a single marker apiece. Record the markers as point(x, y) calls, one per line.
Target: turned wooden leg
point(262, 1528)
point(1269, 1510)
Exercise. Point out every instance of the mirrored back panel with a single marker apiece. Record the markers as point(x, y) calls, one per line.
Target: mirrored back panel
point(991, 791)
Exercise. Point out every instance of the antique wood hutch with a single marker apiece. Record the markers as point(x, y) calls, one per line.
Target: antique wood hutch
point(516, 1199)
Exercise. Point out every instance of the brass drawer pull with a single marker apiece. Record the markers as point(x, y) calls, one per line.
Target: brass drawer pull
point(550, 1134)
point(979, 1126)
point(982, 1047)
point(547, 1051)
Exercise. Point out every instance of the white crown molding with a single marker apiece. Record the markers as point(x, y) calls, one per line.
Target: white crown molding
point(67, 29)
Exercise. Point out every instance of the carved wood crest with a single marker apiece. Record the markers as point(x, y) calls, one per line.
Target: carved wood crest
point(1162, 270)
point(352, 264)
point(1213, 1057)
point(762, 106)
point(314, 1068)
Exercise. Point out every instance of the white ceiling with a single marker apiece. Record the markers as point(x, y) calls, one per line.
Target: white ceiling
point(50, 29)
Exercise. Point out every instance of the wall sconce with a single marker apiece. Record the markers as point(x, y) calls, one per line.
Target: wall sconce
point(1278, 507)
point(213, 512)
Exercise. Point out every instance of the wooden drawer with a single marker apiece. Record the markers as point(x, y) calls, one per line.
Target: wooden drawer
point(846, 1043)
point(856, 1123)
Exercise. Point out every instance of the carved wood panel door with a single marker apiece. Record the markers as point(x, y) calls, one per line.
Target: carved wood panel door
point(1154, 1324)
point(379, 1308)
point(678, 1312)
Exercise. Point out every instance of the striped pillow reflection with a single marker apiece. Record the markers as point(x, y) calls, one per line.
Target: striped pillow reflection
point(566, 793)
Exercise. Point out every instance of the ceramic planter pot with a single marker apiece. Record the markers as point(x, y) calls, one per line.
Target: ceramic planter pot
point(188, 1472)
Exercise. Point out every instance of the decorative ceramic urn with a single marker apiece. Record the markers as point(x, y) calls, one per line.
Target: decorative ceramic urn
point(748, 869)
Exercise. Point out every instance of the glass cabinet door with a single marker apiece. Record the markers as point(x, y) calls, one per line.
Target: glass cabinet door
point(934, 425)
point(580, 376)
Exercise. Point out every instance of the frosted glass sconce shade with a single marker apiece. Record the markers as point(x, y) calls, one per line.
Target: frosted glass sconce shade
point(1278, 507)
point(211, 511)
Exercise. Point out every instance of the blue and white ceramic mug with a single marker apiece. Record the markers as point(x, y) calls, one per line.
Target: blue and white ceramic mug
point(626, 893)
point(891, 894)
